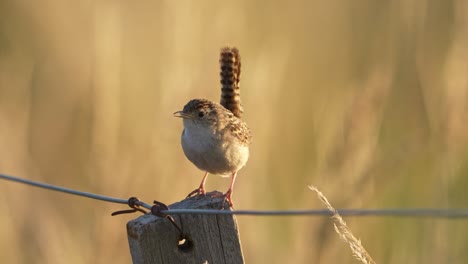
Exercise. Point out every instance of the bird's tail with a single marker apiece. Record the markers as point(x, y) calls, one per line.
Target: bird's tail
point(230, 76)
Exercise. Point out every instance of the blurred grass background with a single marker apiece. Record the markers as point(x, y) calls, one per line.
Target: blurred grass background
point(367, 100)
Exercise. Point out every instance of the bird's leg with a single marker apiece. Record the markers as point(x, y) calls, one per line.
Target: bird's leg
point(201, 189)
point(228, 194)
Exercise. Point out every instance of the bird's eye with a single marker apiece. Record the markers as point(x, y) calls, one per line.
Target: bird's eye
point(201, 114)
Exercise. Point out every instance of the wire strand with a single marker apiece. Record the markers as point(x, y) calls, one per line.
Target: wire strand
point(408, 212)
point(66, 190)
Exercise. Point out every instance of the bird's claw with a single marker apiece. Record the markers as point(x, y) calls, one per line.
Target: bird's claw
point(198, 191)
point(226, 198)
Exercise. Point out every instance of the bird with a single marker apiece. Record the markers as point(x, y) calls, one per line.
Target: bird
point(214, 138)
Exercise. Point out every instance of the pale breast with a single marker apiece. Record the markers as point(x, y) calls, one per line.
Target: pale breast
point(214, 154)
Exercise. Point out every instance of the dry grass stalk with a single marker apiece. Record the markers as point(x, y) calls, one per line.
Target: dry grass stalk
point(359, 252)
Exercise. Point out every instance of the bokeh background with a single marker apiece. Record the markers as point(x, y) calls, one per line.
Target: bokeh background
point(367, 100)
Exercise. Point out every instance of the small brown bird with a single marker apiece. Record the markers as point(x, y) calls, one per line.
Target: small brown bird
point(214, 138)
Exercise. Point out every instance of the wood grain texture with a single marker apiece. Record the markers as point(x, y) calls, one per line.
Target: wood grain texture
point(214, 238)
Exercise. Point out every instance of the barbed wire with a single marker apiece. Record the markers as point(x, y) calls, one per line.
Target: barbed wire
point(407, 212)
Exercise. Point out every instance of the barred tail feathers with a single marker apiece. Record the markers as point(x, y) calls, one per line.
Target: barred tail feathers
point(230, 76)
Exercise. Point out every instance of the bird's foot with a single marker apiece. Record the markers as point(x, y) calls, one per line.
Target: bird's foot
point(198, 191)
point(226, 198)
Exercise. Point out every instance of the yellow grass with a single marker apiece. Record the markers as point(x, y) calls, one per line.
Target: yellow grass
point(345, 233)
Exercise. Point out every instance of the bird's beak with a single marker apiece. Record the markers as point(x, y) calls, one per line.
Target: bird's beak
point(182, 114)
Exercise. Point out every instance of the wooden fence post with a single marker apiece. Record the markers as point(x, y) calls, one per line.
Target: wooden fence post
point(211, 238)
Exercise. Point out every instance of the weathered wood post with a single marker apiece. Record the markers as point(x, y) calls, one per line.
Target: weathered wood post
point(211, 238)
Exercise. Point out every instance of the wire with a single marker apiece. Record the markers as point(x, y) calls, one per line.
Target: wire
point(409, 212)
point(66, 190)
